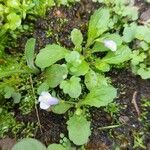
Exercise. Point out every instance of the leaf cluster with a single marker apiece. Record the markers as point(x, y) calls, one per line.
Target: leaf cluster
point(140, 35)
point(69, 70)
point(126, 14)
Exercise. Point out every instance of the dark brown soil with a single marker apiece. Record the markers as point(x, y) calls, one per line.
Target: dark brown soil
point(60, 21)
point(52, 125)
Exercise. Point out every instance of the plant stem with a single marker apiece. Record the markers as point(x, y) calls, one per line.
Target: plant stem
point(74, 103)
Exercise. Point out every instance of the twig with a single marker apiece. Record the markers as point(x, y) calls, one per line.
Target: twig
point(110, 127)
point(37, 113)
point(135, 103)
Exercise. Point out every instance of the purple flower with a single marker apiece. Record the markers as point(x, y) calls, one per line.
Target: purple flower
point(46, 100)
point(110, 44)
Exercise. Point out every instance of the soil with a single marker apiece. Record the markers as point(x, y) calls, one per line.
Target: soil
point(55, 27)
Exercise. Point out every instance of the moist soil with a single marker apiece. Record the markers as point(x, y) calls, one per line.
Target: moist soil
point(56, 27)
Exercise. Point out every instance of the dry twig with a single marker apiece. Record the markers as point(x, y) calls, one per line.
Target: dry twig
point(37, 113)
point(135, 103)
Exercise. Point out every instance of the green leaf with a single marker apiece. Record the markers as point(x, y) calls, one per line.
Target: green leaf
point(138, 32)
point(121, 55)
point(102, 65)
point(131, 12)
point(144, 46)
point(8, 92)
point(55, 74)
point(61, 108)
point(129, 32)
point(79, 70)
point(144, 73)
point(76, 64)
point(137, 57)
point(13, 3)
point(29, 144)
point(99, 47)
point(13, 21)
point(143, 33)
point(43, 87)
point(72, 87)
point(29, 53)
point(147, 35)
point(16, 97)
point(73, 57)
point(98, 24)
point(93, 79)
point(50, 55)
point(77, 39)
point(79, 129)
point(100, 96)
point(56, 147)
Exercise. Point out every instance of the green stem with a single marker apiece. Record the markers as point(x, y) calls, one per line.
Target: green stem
point(74, 103)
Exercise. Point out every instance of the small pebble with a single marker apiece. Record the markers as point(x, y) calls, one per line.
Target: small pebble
point(123, 119)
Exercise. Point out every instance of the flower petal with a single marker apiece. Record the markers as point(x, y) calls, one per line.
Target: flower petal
point(53, 101)
point(46, 100)
point(110, 44)
point(47, 94)
point(44, 106)
point(44, 96)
